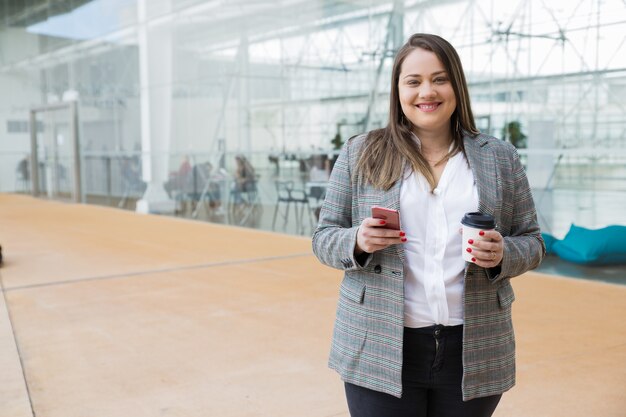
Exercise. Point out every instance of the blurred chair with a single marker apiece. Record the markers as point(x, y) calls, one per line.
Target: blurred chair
point(244, 205)
point(286, 196)
point(132, 184)
point(210, 197)
point(316, 191)
point(193, 188)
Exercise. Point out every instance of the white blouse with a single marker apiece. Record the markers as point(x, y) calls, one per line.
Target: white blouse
point(434, 267)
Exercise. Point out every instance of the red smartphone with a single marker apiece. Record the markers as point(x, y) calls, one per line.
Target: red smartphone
point(392, 217)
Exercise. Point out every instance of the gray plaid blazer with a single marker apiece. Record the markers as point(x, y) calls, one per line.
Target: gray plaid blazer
point(369, 326)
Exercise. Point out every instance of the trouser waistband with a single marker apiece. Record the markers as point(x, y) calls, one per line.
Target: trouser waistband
point(435, 330)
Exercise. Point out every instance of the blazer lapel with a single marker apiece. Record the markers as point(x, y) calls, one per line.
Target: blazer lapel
point(483, 165)
point(392, 200)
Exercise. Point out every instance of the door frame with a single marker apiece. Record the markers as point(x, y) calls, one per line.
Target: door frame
point(72, 106)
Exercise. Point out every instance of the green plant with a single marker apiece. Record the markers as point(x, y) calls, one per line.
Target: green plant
point(337, 142)
point(513, 131)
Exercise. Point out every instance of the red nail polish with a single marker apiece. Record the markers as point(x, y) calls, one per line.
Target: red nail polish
point(382, 222)
point(481, 233)
point(473, 259)
point(402, 234)
point(471, 241)
point(469, 250)
point(403, 239)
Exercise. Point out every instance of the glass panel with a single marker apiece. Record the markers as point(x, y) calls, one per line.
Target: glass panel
point(55, 154)
point(286, 83)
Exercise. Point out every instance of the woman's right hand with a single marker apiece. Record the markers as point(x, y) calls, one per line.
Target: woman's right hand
point(373, 236)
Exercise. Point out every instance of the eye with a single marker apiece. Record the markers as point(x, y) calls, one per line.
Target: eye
point(440, 80)
point(413, 82)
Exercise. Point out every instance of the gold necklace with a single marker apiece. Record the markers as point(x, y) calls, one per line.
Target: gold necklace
point(439, 159)
point(436, 161)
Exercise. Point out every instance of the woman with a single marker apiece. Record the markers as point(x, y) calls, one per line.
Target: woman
point(420, 332)
point(245, 178)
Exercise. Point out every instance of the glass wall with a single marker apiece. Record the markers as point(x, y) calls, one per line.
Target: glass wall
point(169, 93)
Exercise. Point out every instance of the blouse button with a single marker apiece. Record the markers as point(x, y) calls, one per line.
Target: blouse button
point(378, 269)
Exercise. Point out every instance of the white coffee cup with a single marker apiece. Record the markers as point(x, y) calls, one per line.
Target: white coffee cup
point(473, 223)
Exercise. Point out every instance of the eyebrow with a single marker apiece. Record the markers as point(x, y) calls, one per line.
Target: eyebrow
point(432, 75)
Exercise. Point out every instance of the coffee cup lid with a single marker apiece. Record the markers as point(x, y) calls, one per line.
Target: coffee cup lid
point(479, 220)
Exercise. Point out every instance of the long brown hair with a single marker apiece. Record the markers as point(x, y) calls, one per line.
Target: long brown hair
point(386, 150)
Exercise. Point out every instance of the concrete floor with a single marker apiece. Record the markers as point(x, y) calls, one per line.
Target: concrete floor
point(106, 313)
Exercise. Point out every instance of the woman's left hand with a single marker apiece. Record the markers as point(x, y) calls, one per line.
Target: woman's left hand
point(489, 252)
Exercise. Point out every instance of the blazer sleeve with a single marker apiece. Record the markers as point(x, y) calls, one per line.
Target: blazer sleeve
point(524, 247)
point(334, 239)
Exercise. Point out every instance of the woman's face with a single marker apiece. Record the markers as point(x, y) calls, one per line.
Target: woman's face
point(426, 94)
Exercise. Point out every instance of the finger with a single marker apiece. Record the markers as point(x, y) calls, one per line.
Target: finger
point(486, 246)
point(381, 247)
point(368, 239)
point(374, 245)
point(383, 241)
point(372, 222)
point(380, 226)
point(386, 233)
point(486, 259)
point(492, 235)
point(483, 255)
point(479, 246)
point(485, 264)
point(381, 232)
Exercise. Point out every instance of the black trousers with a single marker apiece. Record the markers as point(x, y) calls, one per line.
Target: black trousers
point(431, 381)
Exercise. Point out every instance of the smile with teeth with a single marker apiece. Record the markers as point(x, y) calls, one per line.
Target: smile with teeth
point(427, 107)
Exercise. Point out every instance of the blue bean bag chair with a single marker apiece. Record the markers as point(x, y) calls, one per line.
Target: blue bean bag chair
point(606, 246)
point(549, 240)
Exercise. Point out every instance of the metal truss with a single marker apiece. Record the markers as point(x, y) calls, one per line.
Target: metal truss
point(309, 66)
point(533, 62)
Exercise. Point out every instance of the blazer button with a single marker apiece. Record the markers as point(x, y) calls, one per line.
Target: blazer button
point(378, 269)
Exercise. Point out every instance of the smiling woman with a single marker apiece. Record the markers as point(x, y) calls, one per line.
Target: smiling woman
point(426, 94)
point(420, 331)
point(429, 100)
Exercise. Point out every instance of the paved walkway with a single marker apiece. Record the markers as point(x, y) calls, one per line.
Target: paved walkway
point(106, 313)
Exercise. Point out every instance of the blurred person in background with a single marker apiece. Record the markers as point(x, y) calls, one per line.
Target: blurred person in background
point(245, 178)
point(185, 167)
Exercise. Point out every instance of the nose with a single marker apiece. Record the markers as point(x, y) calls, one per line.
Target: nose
point(427, 90)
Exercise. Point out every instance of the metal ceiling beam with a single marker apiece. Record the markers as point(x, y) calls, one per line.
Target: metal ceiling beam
point(24, 14)
point(524, 80)
point(269, 31)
